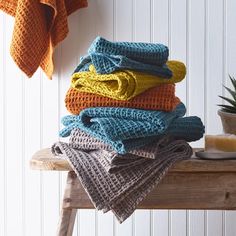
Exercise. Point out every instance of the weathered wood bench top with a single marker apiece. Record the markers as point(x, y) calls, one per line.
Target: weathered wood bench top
point(190, 184)
point(44, 160)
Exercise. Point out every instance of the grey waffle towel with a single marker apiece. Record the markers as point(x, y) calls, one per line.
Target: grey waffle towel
point(123, 190)
point(109, 158)
point(82, 140)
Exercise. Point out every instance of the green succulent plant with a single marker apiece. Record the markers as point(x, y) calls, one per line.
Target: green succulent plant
point(231, 108)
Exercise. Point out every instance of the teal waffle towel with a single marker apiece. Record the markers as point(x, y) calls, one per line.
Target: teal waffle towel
point(125, 128)
point(108, 57)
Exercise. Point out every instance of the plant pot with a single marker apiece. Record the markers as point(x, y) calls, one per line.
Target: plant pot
point(228, 121)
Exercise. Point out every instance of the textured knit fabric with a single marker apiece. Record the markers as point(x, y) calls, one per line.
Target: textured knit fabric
point(159, 98)
point(39, 27)
point(106, 64)
point(124, 85)
point(111, 160)
point(123, 128)
point(82, 140)
point(123, 190)
point(108, 57)
point(116, 123)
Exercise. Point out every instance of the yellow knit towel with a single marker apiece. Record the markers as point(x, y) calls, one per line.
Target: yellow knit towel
point(124, 85)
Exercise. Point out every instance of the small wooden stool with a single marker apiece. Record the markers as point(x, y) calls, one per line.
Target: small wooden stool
point(190, 184)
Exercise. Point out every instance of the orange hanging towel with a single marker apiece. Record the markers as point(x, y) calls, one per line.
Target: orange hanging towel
point(159, 98)
point(39, 26)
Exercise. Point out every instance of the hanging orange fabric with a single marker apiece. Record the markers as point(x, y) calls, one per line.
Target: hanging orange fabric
point(39, 26)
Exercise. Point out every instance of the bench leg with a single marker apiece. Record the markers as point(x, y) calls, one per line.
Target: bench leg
point(66, 222)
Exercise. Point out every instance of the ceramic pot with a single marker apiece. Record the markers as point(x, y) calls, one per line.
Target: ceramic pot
point(228, 121)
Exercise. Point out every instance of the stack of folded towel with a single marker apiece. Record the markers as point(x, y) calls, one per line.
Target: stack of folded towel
point(127, 127)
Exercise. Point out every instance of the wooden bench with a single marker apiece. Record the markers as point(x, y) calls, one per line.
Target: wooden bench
point(190, 184)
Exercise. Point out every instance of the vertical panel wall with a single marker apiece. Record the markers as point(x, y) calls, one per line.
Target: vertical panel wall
point(201, 33)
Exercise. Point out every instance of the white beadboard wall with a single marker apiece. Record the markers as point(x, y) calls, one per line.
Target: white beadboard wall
point(199, 32)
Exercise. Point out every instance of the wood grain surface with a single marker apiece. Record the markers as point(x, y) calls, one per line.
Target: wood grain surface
point(176, 191)
point(44, 160)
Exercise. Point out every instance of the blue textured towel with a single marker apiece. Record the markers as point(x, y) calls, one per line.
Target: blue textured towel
point(125, 128)
point(186, 128)
point(108, 57)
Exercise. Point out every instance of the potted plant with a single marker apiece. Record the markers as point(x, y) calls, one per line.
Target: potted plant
point(227, 112)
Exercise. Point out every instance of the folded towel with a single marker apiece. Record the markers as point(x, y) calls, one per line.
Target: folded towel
point(110, 159)
point(124, 85)
point(123, 190)
point(116, 123)
point(106, 64)
point(159, 98)
point(39, 27)
point(122, 128)
point(83, 141)
point(108, 57)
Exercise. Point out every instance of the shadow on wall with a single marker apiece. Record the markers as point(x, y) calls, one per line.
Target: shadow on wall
point(84, 25)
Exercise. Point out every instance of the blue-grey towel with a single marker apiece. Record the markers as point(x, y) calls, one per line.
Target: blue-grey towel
point(108, 57)
point(125, 128)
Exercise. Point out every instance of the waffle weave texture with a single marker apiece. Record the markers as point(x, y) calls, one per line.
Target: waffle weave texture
point(124, 85)
point(123, 190)
point(82, 140)
point(108, 57)
point(39, 27)
point(111, 160)
point(159, 98)
point(125, 128)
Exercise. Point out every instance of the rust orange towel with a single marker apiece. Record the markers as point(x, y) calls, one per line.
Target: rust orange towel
point(159, 98)
point(39, 26)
